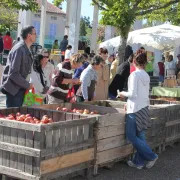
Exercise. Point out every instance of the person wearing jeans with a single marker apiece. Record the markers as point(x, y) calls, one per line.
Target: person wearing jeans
point(137, 114)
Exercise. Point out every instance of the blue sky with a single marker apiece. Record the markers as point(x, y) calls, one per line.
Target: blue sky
point(86, 8)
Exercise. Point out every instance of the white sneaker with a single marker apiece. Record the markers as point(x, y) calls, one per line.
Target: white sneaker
point(150, 164)
point(131, 164)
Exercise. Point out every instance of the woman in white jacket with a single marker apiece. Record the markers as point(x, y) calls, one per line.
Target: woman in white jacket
point(137, 118)
point(41, 75)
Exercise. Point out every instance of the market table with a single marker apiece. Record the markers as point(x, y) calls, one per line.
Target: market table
point(166, 92)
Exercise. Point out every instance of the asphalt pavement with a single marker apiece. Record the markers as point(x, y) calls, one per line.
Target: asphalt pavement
point(166, 168)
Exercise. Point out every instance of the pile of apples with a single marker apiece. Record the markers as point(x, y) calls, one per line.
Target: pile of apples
point(79, 111)
point(27, 118)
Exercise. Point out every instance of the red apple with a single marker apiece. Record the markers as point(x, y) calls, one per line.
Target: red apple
point(65, 109)
point(86, 111)
point(50, 120)
point(58, 108)
point(74, 110)
point(28, 115)
point(18, 114)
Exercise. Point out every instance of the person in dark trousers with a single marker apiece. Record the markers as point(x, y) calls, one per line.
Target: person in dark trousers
point(1, 43)
point(88, 79)
point(16, 75)
point(121, 77)
point(63, 46)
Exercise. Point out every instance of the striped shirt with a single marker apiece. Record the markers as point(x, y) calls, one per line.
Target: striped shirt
point(143, 120)
point(61, 72)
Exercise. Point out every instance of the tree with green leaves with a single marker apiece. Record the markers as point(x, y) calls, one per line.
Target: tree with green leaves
point(8, 19)
point(15, 4)
point(123, 13)
point(85, 25)
point(58, 3)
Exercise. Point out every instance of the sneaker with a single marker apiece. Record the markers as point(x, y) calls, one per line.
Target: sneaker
point(131, 164)
point(150, 164)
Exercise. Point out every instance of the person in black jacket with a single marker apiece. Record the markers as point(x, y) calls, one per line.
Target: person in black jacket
point(1, 43)
point(120, 80)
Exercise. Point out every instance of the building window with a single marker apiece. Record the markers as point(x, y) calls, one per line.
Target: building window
point(53, 18)
point(52, 30)
point(36, 25)
point(37, 15)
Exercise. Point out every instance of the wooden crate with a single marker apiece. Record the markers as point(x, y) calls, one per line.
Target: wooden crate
point(101, 110)
point(33, 152)
point(111, 144)
point(172, 125)
point(155, 134)
point(108, 103)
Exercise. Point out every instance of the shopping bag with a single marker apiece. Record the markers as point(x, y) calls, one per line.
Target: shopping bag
point(32, 99)
point(71, 95)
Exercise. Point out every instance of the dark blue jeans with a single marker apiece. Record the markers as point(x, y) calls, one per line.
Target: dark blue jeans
point(15, 101)
point(137, 138)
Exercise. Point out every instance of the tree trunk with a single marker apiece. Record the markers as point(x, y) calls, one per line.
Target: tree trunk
point(121, 51)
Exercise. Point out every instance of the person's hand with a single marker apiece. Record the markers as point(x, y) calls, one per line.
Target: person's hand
point(30, 86)
point(120, 95)
point(75, 81)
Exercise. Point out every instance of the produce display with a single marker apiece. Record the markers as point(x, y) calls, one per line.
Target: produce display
point(27, 118)
point(79, 111)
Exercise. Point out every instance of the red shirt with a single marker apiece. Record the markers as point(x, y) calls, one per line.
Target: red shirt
point(161, 68)
point(132, 69)
point(7, 42)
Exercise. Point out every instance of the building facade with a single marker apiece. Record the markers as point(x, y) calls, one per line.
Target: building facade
point(55, 23)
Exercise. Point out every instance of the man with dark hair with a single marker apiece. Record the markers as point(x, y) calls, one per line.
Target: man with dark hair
point(8, 42)
point(15, 79)
point(88, 79)
point(63, 46)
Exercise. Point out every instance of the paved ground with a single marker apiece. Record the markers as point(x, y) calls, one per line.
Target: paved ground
point(166, 168)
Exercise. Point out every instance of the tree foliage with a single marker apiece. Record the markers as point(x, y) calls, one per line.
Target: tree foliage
point(14, 4)
point(85, 25)
point(8, 19)
point(58, 3)
point(123, 13)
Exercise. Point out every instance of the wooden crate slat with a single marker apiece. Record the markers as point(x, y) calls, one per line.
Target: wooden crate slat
point(19, 125)
point(19, 149)
point(110, 143)
point(109, 155)
point(67, 160)
point(67, 147)
point(111, 120)
point(1, 139)
point(21, 142)
point(49, 139)
point(14, 156)
point(110, 131)
point(66, 171)
point(65, 124)
point(17, 173)
point(58, 116)
point(36, 160)
point(6, 154)
point(29, 159)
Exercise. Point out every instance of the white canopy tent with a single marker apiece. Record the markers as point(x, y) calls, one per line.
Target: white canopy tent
point(163, 37)
point(157, 39)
